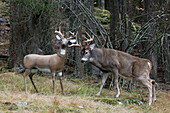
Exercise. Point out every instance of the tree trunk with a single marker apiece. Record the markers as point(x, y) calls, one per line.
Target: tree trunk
point(112, 22)
point(167, 60)
point(103, 4)
point(27, 33)
point(124, 27)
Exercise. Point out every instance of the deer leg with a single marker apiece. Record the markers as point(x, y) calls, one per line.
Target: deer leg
point(30, 76)
point(25, 75)
point(130, 86)
point(104, 78)
point(115, 72)
point(111, 84)
point(53, 79)
point(61, 85)
point(148, 84)
point(154, 92)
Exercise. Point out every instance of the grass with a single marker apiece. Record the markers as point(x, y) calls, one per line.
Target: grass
point(79, 97)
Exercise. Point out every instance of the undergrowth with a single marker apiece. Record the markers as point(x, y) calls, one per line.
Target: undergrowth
point(79, 97)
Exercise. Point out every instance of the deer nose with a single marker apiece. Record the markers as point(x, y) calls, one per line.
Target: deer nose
point(82, 61)
point(63, 45)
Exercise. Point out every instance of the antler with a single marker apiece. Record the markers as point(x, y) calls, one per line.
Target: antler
point(89, 40)
point(77, 44)
point(73, 35)
point(59, 32)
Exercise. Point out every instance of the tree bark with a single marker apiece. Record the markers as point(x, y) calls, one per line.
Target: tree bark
point(28, 33)
point(112, 22)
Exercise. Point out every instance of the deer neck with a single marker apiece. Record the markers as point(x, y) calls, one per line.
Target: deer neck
point(63, 52)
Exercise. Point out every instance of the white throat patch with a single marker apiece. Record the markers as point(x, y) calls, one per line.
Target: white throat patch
point(60, 74)
point(91, 59)
point(63, 52)
point(84, 59)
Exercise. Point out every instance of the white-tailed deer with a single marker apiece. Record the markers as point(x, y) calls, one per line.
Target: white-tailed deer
point(118, 62)
point(49, 63)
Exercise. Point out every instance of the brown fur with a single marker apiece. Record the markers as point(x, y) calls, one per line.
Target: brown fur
point(53, 63)
point(118, 62)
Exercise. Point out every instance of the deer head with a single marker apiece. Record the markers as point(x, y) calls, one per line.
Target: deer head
point(66, 42)
point(88, 47)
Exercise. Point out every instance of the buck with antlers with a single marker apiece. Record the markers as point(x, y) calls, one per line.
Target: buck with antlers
point(118, 62)
point(49, 63)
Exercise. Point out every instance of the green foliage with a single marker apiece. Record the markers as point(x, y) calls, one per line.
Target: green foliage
point(76, 80)
point(103, 16)
point(103, 20)
point(35, 9)
point(108, 101)
point(5, 69)
point(5, 43)
point(133, 101)
point(106, 16)
point(3, 0)
point(106, 12)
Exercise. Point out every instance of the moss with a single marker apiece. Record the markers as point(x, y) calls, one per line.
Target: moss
point(103, 20)
point(106, 12)
point(106, 15)
point(97, 10)
point(133, 101)
point(108, 101)
point(107, 26)
point(5, 43)
point(76, 80)
point(103, 16)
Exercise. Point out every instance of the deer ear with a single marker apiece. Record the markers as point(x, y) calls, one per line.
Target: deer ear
point(58, 37)
point(92, 46)
point(73, 41)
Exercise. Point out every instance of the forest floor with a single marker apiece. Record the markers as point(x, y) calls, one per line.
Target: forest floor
point(79, 98)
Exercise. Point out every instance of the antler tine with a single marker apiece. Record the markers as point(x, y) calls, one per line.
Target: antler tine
point(77, 43)
point(60, 28)
point(88, 34)
point(71, 34)
point(89, 40)
point(59, 32)
point(85, 37)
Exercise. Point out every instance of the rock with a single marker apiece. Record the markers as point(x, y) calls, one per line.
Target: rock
point(21, 103)
point(81, 107)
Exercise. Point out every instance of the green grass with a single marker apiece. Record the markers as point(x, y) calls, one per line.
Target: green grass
point(80, 97)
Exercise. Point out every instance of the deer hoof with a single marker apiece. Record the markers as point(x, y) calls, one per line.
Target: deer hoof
point(97, 94)
point(154, 100)
point(117, 96)
point(150, 103)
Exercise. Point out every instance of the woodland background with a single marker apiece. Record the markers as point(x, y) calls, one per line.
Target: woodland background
point(138, 27)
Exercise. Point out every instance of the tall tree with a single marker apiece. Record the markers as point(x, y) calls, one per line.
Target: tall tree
point(112, 21)
point(29, 29)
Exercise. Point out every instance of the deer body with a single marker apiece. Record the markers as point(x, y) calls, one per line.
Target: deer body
point(109, 59)
point(50, 63)
point(118, 62)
